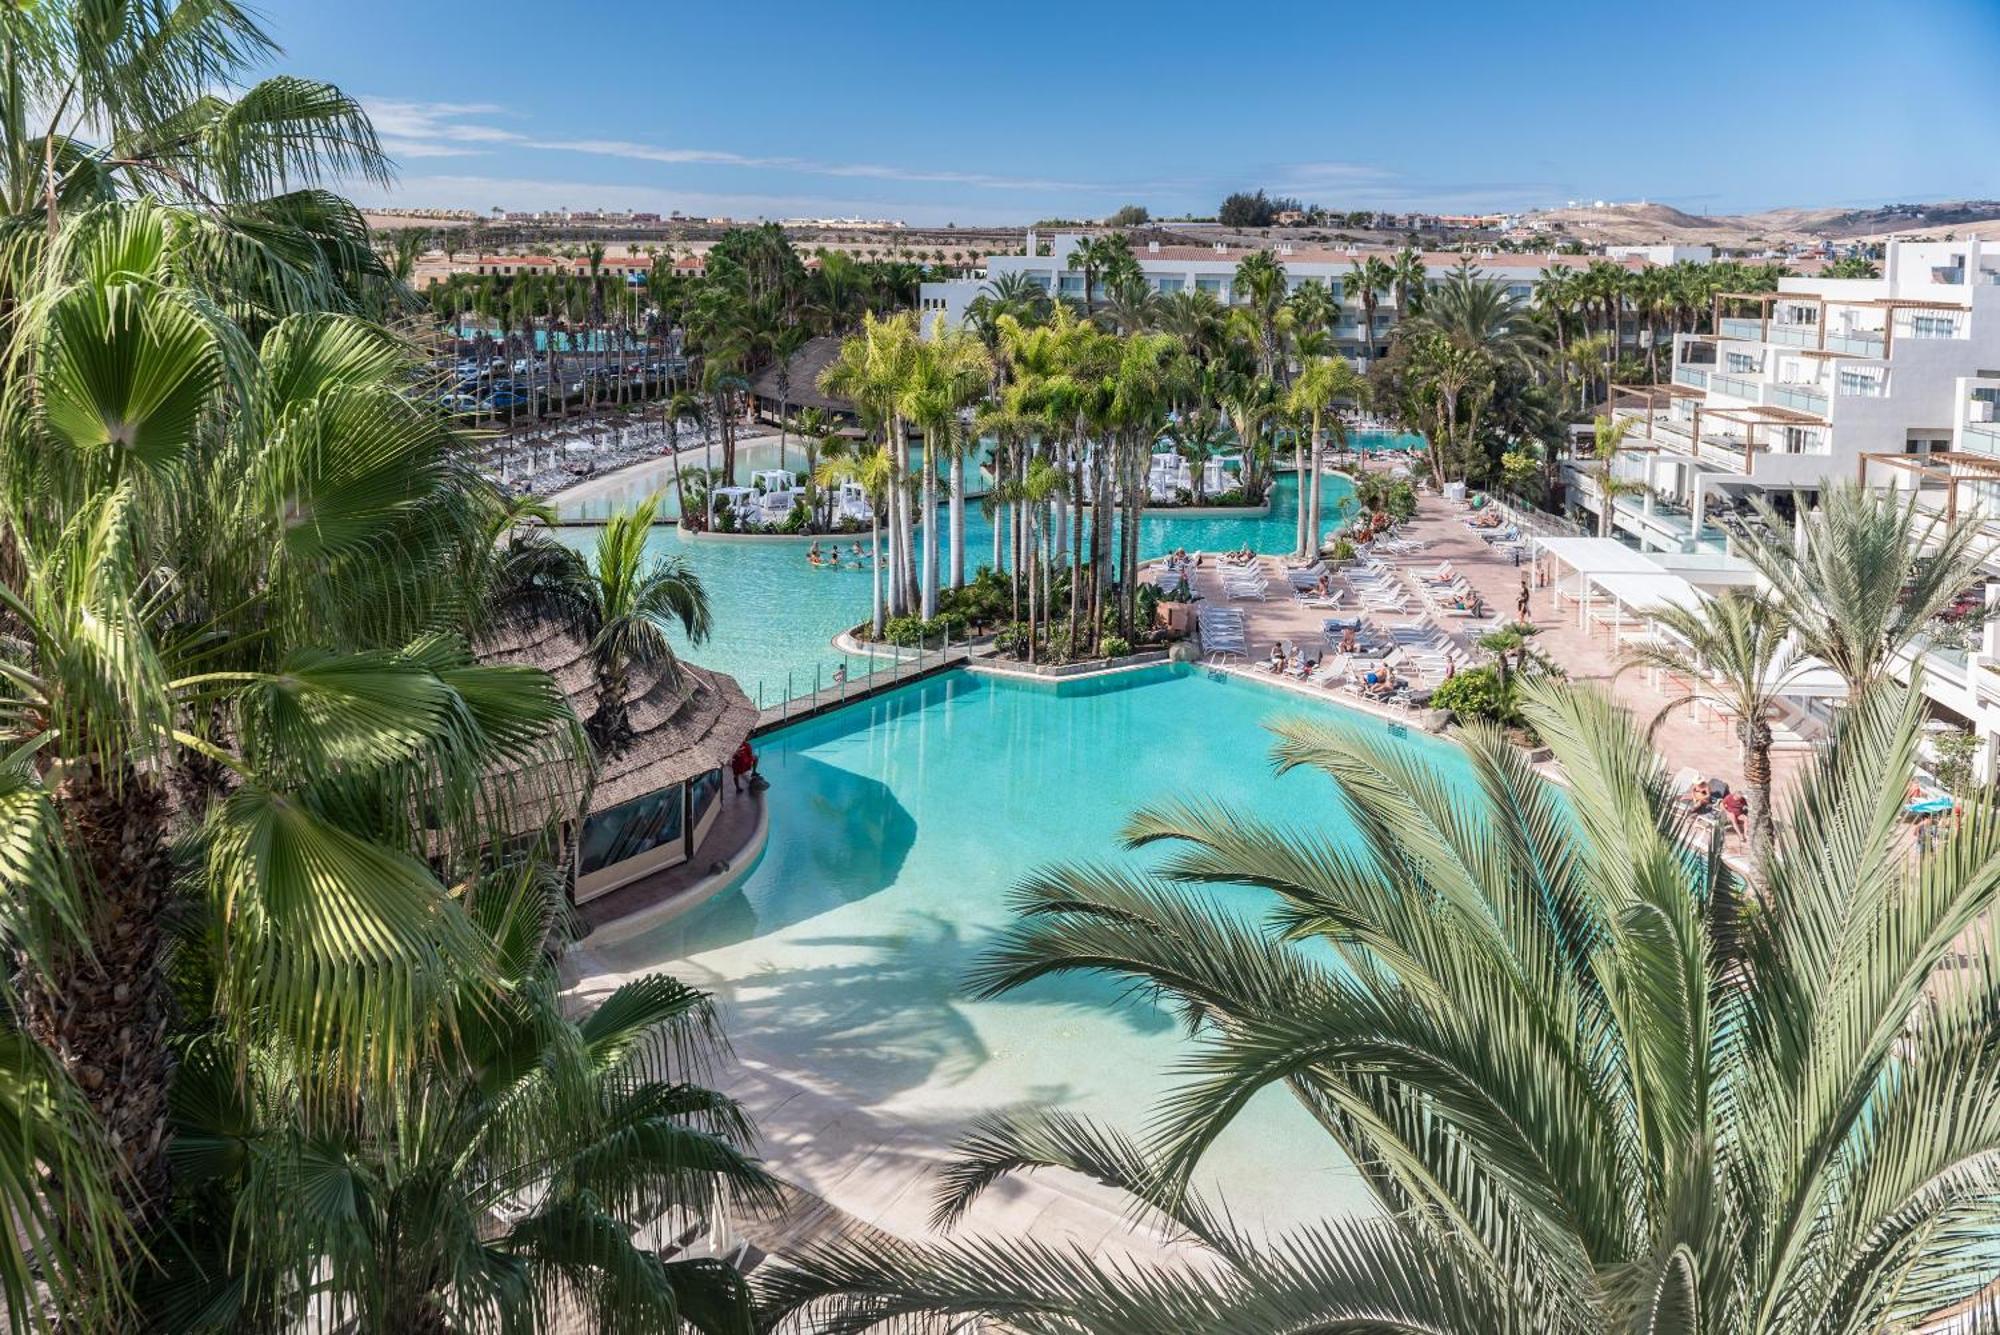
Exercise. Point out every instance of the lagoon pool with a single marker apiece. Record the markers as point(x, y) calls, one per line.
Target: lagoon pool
point(898, 827)
point(777, 616)
point(1372, 440)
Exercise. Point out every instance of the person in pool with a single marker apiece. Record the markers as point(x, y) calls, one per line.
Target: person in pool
point(835, 558)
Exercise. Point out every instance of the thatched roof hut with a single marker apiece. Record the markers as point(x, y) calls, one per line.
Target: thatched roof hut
point(686, 722)
point(803, 389)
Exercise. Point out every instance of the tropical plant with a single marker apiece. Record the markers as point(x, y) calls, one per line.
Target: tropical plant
point(1860, 576)
point(529, 1165)
point(238, 708)
point(1322, 382)
point(1736, 650)
point(1607, 440)
point(1590, 1089)
point(621, 605)
point(1372, 276)
point(112, 101)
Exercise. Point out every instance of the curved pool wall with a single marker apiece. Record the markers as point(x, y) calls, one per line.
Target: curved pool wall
point(776, 616)
point(899, 826)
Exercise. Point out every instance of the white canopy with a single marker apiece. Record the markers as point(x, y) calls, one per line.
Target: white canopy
point(1595, 556)
point(1644, 594)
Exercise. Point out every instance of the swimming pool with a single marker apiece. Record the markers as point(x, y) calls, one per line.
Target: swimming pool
point(898, 825)
point(776, 616)
point(1372, 440)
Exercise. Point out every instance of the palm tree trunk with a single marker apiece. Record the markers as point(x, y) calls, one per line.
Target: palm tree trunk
point(1757, 794)
point(875, 546)
point(928, 605)
point(958, 522)
point(1299, 473)
point(1313, 503)
point(103, 1015)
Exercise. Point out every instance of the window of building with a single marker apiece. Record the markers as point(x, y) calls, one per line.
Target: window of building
point(632, 828)
point(1209, 285)
point(1165, 285)
point(1933, 326)
point(1072, 285)
point(1738, 363)
point(1866, 384)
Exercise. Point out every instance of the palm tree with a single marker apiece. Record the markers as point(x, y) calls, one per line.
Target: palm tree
point(234, 585)
point(948, 372)
point(1608, 439)
point(1321, 383)
point(1588, 1091)
point(1196, 434)
point(1093, 257)
point(146, 84)
point(1259, 287)
point(1737, 649)
point(871, 373)
point(1474, 313)
point(1372, 276)
point(503, 1181)
point(1861, 576)
point(620, 605)
point(1407, 277)
point(876, 472)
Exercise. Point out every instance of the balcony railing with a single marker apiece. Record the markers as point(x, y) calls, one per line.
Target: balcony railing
point(1737, 327)
point(1862, 343)
point(1798, 396)
point(1795, 335)
point(1989, 433)
point(1691, 376)
point(1736, 385)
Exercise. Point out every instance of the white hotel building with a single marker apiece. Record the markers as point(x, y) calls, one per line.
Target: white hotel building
point(1891, 380)
point(1212, 269)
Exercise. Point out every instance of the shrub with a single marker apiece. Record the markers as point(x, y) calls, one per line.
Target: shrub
point(1148, 602)
point(911, 632)
point(1475, 694)
point(1013, 638)
point(1114, 646)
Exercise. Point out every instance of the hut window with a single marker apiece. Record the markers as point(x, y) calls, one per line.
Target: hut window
point(632, 828)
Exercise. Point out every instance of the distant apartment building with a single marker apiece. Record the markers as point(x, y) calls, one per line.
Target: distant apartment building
point(1892, 380)
point(1212, 269)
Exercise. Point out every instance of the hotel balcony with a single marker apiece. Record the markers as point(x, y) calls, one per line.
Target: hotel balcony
point(1860, 342)
point(1736, 386)
point(1801, 398)
point(1694, 377)
point(1731, 326)
point(1793, 335)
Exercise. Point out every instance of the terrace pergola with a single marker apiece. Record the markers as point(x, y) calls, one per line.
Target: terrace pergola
point(1652, 398)
point(1889, 306)
point(1761, 417)
point(1949, 469)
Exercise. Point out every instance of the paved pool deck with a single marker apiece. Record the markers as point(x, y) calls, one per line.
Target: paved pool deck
point(1693, 738)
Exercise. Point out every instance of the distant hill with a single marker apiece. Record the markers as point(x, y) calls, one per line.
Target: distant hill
point(1636, 224)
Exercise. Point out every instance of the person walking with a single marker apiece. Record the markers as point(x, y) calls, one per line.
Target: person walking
point(1521, 603)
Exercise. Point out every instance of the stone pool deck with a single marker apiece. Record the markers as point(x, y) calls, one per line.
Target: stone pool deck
point(1685, 738)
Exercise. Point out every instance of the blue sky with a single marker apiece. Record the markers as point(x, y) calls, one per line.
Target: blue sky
point(1005, 113)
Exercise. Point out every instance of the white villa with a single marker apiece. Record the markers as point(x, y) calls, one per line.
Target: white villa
point(1212, 269)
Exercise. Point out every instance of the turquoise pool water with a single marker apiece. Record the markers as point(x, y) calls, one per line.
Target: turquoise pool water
point(776, 616)
point(898, 827)
point(1370, 442)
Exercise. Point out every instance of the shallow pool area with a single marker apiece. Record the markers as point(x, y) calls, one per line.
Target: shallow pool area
point(898, 826)
point(776, 616)
point(1374, 440)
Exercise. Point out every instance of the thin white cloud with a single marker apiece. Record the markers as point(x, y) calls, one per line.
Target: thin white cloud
point(483, 193)
point(443, 129)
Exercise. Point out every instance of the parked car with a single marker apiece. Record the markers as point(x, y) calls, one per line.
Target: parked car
point(458, 403)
